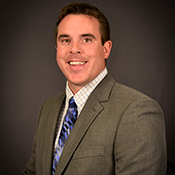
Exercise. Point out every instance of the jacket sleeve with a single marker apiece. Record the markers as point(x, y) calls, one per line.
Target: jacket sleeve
point(30, 167)
point(140, 145)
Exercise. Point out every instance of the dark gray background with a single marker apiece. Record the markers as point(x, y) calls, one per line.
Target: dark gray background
point(142, 57)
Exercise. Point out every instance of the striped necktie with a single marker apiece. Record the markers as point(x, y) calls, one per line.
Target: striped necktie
point(67, 127)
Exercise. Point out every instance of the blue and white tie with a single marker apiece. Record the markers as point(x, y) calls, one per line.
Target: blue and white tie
point(67, 127)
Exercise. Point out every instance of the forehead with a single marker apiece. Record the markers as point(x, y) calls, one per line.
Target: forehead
point(79, 23)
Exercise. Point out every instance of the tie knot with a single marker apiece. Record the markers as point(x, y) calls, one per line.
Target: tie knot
point(72, 103)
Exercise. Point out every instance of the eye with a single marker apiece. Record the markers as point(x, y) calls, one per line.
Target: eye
point(87, 40)
point(65, 40)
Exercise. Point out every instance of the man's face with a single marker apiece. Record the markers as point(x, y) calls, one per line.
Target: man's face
point(80, 53)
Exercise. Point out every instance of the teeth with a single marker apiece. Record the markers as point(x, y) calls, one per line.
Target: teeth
point(76, 63)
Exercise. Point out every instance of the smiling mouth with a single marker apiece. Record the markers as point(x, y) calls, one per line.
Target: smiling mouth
point(74, 63)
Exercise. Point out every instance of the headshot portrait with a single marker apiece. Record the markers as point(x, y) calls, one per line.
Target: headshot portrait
point(87, 88)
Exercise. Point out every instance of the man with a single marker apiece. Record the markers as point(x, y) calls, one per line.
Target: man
point(114, 129)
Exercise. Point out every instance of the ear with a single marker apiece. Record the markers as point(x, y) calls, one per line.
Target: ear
point(56, 47)
point(107, 48)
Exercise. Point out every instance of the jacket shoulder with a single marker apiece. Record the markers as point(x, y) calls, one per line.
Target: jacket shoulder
point(123, 90)
point(53, 101)
point(55, 98)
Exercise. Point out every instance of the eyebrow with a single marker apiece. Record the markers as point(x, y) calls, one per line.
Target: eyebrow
point(83, 35)
point(62, 36)
point(89, 35)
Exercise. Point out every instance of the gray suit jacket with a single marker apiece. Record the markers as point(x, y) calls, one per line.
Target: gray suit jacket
point(119, 131)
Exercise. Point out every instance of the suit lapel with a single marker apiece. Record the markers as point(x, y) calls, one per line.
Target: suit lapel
point(82, 124)
point(50, 133)
point(89, 113)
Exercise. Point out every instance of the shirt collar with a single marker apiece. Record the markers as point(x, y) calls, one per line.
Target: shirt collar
point(82, 95)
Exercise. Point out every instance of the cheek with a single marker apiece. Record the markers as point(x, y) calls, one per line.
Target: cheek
point(94, 52)
point(59, 53)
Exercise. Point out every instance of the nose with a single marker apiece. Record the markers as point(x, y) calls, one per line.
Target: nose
point(75, 47)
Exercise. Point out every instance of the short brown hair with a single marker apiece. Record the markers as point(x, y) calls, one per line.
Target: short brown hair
point(86, 9)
